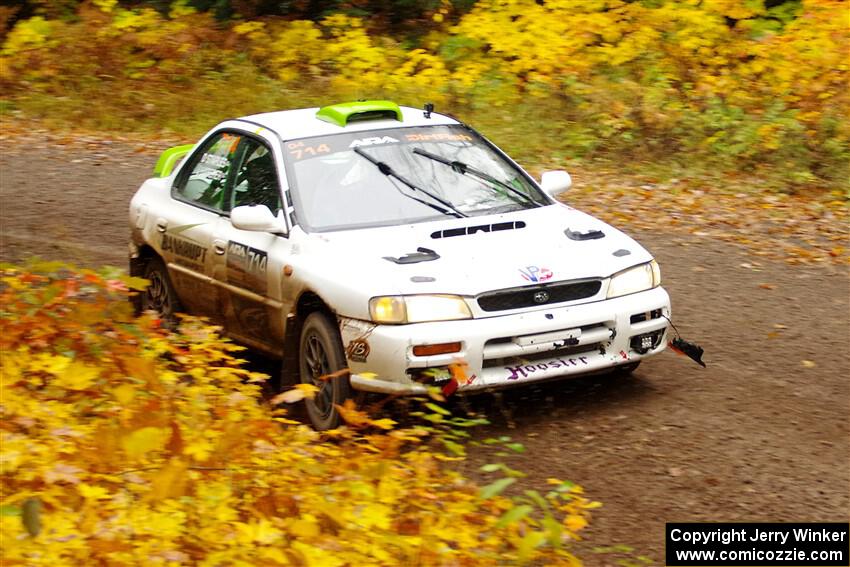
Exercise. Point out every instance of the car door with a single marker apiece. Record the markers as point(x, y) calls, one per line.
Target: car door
point(187, 227)
point(251, 269)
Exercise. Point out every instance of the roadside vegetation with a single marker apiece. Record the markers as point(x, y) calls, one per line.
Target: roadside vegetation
point(714, 88)
point(124, 443)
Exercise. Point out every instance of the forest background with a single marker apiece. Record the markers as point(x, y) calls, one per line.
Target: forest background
point(716, 88)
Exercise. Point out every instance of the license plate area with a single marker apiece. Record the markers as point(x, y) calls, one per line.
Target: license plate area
point(564, 336)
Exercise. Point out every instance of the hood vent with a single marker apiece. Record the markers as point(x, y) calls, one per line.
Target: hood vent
point(421, 255)
point(591, 234)
point(465, 230)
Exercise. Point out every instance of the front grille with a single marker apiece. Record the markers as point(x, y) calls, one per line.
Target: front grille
point(538, 295)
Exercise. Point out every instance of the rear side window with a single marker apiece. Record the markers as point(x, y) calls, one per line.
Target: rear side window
point(210, 173)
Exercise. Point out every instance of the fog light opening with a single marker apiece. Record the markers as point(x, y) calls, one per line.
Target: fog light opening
point(437, 376)
point(645, 342)
point(441, 348)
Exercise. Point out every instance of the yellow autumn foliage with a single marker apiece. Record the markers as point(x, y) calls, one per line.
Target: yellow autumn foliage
point(124, 444)
point(740, 84)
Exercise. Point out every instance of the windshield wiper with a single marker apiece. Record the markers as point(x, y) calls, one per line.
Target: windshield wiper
point(465, 169)
point(388, 171)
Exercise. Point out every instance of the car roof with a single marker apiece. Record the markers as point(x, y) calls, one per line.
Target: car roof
point(303, 123)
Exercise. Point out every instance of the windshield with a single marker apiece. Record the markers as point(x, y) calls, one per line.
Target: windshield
point(400, 176)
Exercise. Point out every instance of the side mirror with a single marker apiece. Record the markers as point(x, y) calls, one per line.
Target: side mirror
point(554, 182)
point(256, 218)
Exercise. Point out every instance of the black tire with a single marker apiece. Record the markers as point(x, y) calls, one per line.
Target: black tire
point(320, 353)
point(160, 296)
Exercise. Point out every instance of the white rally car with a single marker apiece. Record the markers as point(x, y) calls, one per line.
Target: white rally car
point(393, 242)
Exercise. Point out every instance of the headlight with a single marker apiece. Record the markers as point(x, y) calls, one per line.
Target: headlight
point(640, 278)
point(418, 308)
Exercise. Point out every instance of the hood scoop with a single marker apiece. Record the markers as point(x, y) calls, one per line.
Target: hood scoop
point(465, 230)
point(421, 255)
point(590, 234)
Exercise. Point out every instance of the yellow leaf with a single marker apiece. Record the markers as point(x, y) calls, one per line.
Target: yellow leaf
point(170, 481)
point(91, 492)
point(55, 364)
point(808, 364)
point(77, 376)
point(124, 393)
point(200, 449)
point(305, 527)
point(142, 441)
point(262, 532)
point(575, 523)
point(375, 515)
point(384, 423)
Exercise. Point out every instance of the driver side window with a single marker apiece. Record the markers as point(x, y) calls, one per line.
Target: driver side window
point(209, 175)
point(256, 180)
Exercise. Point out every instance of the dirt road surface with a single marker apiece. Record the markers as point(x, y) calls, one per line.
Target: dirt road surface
point(760, 435)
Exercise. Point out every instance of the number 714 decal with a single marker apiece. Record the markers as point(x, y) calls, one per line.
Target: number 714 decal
point(246, 267)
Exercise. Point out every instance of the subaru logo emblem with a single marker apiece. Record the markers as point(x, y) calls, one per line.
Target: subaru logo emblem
point(541, 297)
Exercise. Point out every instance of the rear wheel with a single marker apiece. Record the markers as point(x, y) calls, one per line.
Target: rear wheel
point(160, 296)
point(320, 354)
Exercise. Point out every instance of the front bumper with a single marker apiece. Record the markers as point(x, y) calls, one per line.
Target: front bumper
point(508, 350)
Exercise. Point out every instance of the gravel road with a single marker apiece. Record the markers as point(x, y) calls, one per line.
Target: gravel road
point(757, 436)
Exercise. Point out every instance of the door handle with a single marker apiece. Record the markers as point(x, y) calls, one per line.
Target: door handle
point(161, 225)
point(219, 246)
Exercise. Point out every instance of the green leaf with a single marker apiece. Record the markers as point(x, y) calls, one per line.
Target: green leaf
point(7, 510)
point(495, 488)
point(46, 266)
point(437, 409)
point(553, 531)
point(491, 467)
point(132, 282)
point(30, 516)
point(455, 448)
point(514, 515)
point(537, 499)
point(517, 447)
point(613, 549)
point(529, 543)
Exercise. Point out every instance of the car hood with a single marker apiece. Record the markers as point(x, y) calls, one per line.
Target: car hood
point(477, 254)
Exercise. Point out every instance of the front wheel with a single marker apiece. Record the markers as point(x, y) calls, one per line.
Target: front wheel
point(320, 354)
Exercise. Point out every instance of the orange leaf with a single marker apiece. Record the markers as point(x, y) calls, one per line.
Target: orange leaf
point(351, 415)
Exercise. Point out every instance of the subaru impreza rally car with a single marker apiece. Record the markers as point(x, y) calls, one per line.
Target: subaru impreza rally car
point(395, 243)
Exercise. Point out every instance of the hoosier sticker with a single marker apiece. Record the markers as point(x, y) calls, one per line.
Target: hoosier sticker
point(523, 371)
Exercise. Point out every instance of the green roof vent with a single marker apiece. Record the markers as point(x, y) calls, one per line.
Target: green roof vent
point(345, 112)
